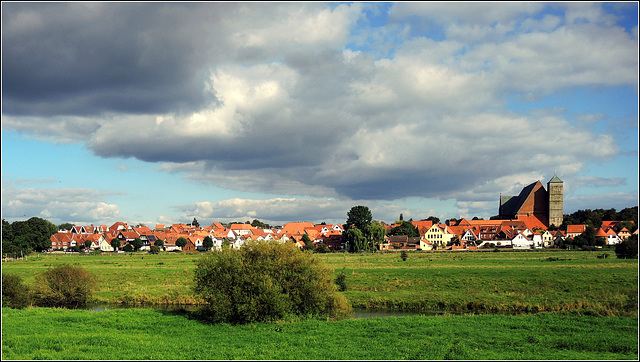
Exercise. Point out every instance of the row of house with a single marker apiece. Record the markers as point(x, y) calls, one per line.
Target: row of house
point(525, 232)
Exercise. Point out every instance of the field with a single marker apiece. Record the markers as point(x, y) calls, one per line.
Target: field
point(42, 333)
point(565, 305)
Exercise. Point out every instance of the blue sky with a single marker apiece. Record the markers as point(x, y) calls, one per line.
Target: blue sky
point(161, 112)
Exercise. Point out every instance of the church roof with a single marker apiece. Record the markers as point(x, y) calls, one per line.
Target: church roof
point(555, 179)
point(511, 205)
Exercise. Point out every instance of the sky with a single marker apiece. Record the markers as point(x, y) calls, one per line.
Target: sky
point(159, 113)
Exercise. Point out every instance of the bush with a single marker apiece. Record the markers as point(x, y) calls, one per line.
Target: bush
point(14, 293)
point(265, 281)
point(154, 249)
point(628, 249)
point(63, 286)
point(341, 281)
point(403, 255)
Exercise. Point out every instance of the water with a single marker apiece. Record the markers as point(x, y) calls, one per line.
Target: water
point(357, 313)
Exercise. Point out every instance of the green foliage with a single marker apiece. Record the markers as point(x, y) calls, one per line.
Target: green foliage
point(26, 236)
point(181, 242)
point(355, 240)
point(159, 243)
point(595, 217)
point(154, 249)
point(65, 226)
point(63, 286)
point(628, 249)
point(403, 255)
point(128, 248)
point(137, 244)
point(359, 217)
point(87, 244)
point(207, 243)
point(15, 294)
point(115, 244)
point(308, 244)
point(259, 224)
point(405, 228)
point(341, 281)
point(265, 281)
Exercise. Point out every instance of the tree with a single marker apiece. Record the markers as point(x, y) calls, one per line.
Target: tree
point(15, 294)
point(359, 217)
point(207, 243)
point(628, 249)
point(405, 228)
point(65, 226)
point(195, 223)
point(87, 244)
point(433, 219)
point(401, 218)
point(308, 244)
point(259, 224)
point(128, 248)
point(265, 281)
point(137, 243)
point(376, 233)
point(159, 243)
point(355, 240)
point(154, 249)
point(181, 242)
point(115, 244)
point(26, 236)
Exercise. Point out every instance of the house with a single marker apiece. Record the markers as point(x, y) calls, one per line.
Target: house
point(610, 237)
point(522, 242)
point(547, 239)
point(438, 234)
point(575, 230)
point(624, 234)
point(397, 242)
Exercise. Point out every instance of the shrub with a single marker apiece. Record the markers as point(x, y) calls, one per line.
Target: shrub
point(628, 249)
point(403, 255)
point(265, 281)
point(154, 249)
point(341, 281)
point(128, 248)
point(14, 293)
point(63, 286)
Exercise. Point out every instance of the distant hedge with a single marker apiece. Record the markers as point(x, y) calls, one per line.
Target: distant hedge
point(265, 281)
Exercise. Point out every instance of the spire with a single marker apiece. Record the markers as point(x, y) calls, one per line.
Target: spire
point(555, 178)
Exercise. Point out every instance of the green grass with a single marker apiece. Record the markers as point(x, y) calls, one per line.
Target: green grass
point(501, 282)
point(43, 333)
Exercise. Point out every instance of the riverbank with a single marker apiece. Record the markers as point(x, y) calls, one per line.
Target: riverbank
point(149, 334)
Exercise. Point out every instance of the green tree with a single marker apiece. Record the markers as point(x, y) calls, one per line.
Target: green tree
point(308, 244)
point(359, 217)
point(115, 244)
point(259, 224)
point(433, 219)
point(376, 233)
point(128, 248)
point(195, 223)
point(265, 281)
point(181, 242)
point(628, 249)
point(66, 226)
point(207, 243)
point(405, 228)
point(137, 243)
point(154, 249)
point(159, 243)
point(355, 240)
point(87, 244)
point(33, 234)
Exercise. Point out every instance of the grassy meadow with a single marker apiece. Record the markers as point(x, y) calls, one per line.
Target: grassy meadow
point(565, 305)
point(148, 334)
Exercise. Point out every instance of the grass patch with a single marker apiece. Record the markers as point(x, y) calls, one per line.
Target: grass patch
point(44, 333)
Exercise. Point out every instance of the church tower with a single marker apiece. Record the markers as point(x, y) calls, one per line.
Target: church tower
point(556, 209)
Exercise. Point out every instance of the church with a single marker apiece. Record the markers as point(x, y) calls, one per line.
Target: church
point(534, 200)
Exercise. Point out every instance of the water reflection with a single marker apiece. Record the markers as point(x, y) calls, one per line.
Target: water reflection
point(357, 313)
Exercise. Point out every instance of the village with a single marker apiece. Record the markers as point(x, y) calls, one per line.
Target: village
point(521, 233)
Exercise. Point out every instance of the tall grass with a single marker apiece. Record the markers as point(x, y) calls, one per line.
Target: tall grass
point(44, 333)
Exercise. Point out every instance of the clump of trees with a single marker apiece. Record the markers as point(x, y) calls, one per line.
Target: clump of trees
point(628, 249)
point(595, 217)
point(22, 237)
point(64, 286)
point(265, 281)
point(361, 232)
